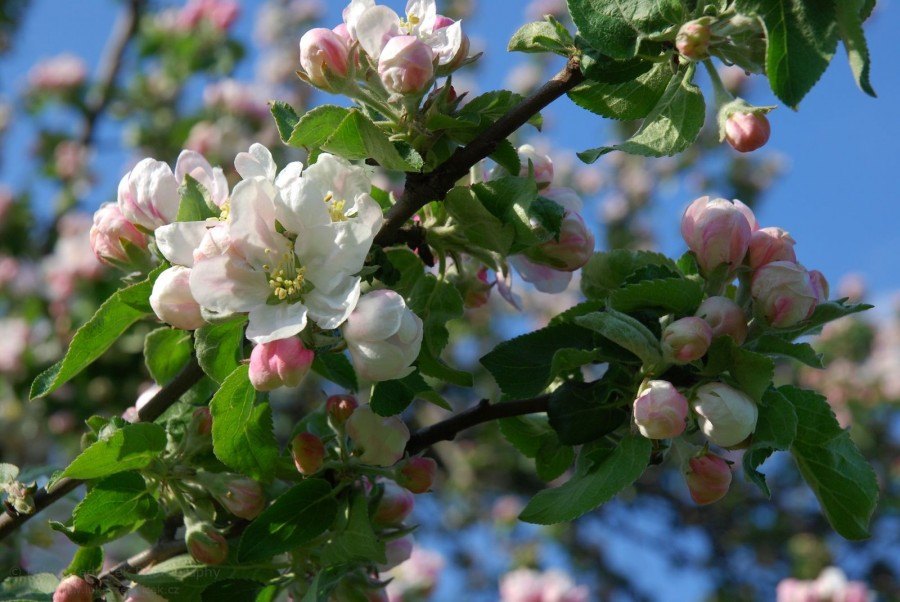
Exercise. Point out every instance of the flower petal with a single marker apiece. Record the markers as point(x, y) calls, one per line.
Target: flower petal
point(178, 240)
point(331, 310)
point(272, 322)
point(258, 163)
point(374, 28)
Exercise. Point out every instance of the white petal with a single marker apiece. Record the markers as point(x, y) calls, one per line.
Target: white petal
point(258, 163)
point(374, 28)
point(302, 204)
point(378, 315)
point(445, 42)
point(177, 241)
point(331, 310)
point(225, 283)
point(353, 12)
point(426, 11)
point(379, 361)
point(290, 173)
point(272, 322)
point(251, 223)
point(544, 279)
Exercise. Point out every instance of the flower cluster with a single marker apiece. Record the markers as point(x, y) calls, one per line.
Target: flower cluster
point(830, 586)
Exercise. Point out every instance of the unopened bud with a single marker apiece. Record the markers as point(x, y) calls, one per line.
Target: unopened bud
point(686, 340)
point(406, 65)
point(692, 40)
point(73, 589)
point(786, 293)
point(768, 245)
point(541, 164)
point(324, 57)
point(279, 363)
point(397, 551)
point(172, 300)
point(573, 249)
point(308, 452)
point(418, 474)
point(708, 478)
point(377, 440)
point(660, 411)
point(725, 317)
point(717, 231)
point(240, 495)
point(395, 505)
point(383, 336)
point(339, 408)
point(205, 543)
point(725, 415)
point(112, 234)
point(746, 132)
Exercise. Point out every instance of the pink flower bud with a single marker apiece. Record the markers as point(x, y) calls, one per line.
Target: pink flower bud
point(395, 505)
point(692, 41)
point(725, 317)
point(340, 407)
point(279, 363)
point(172, 301)
point(383, 336)
point(406, 65)
point(725, 415)
point(205, 543)
point(148, 195)
point(308, 452)
point(686, 340)
point(240, 495)
point(454, 62)
point(795, 590)
point(111, 232)
point(747, 132)
point(397, 551)
point(785, 292)
point(542, 165)
point(708, 478)
point(476, 291)
point(573, 249)
point(201, 420)
point(820, 285)
point(418, 474)
point(324, 57)
point(377, 440)
point(73, 589)
point(717, 231)
point(660, 411)
point(768, 245)
point(61, 74)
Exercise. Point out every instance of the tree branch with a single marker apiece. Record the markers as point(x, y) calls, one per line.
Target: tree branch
point(161, 550)
point(187, 378)
point(422, 188)
point(484, 411)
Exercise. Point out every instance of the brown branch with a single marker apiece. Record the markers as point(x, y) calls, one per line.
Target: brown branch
point(158, 404)
point(422, 188)
point(160, 551)
point(484, 411)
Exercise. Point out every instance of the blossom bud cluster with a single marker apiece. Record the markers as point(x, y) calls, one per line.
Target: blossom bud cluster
point(407, 53)
point(831, 585)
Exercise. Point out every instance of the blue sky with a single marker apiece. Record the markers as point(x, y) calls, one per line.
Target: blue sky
point(838, 198)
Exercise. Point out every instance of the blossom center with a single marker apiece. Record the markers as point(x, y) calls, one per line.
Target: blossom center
point(286, 279)
point(410, 22)
point(335, 208)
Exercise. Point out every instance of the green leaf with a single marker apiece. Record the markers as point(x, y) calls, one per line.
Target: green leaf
point(509, 199)
point(325, 581)
point(581, 412)
point(38, 587)
point(549, 215)
point(600, 68)
point(285, 119)
point(481, 227)
point(526, 433)
point(626, 332)
point(772, 345)
point(86, 560)
point(357, 137)
point(336, 368)
point(752, 371)
point(294, 518)
point(114, 507)
point(125, 307)
point(553, 459)
point(390, 397)
point(671, 127)
point(233, 590)
point(832, 466)
point(184, 579)
point(600, 473)
point(607, 271)
point(242, 429)
point(627, 100)
point(671, 295)
point(166, 352)
point(540, 36)
point(801, 39)
point(617, 28)
point(128, 448)
point(824, 313)
point(195, 204)
point(220, 347)
point(316, 125)
point(776, 428)
point(357, 542)
point(523, 366)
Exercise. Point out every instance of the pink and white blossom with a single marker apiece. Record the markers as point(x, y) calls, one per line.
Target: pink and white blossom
point(383, 336)
point(148, 194)
point(279, 363)
point(172, 301)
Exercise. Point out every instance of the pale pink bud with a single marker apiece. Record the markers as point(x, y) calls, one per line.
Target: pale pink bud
point(324, 56)
point(768, 245)
point(73, 589)
point(240, 495)
point(785, 292)
point(397, 551)
point(139, 593)
point(343, 33)
point(440, 22)
point(795, 590)
point(725, 415)
point(418, 474)
point(573, 249)
point(406, 65)
point(692, 41)
point(476, 291)
point(717, 231)
point(747, 132)
point(201, 420)
point(542, 165)
point(396, 504)
point(383, 336)
point(58, 74)
point(279, 363)
point(708, 478)
point(725, 317)
point(308, 452)
point(686, 340)
point(340, 407)
point(205, 543)
point(148, 195)
point(820, 285)
point(377, 440)
point(110, 232)
point(660, 411)
point(172, 301)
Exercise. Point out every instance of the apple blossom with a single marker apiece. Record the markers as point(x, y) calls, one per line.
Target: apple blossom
point(540, 164)
point(308, 452)
point(240, 495)
point(746, 132)
point(686, 340)
point(660, 411)
point(148, 195)
point(725, 415)
point(416, 578)
point(768, 245)
point(172, 301)
point(395, 505)
point(377, 439)
point(61, 73)
point(786, 293)
point(324, 57)
point(708, 478)
point(195, 165)
point(279, 363)
point(526, 585)
point(544, 278)
point(418, 474)
point(73, 589)
point(573, 249)
point(725, 318)
point(383, 336)
point(111, 234)
point(406, 66)
point(717, 231)
point(692, 41)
